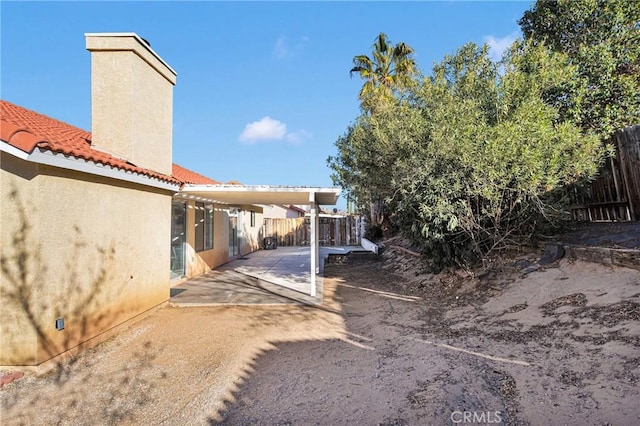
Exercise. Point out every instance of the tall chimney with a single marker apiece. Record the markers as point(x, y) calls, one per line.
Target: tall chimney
point(131, 100)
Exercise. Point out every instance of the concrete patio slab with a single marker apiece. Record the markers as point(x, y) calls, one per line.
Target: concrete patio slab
point(280, 276)
point(288, 267)
point(228, 287)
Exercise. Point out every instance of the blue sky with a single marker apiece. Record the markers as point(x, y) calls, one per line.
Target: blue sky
point(263, 88)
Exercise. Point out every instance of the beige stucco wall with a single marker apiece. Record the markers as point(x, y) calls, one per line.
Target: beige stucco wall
point(275, 211)
point(97, 254)
point(252, 236)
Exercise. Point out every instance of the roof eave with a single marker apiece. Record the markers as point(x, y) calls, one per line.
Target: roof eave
point(50, 158)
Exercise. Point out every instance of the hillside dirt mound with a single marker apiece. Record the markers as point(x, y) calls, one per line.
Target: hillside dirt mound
point(558, 346)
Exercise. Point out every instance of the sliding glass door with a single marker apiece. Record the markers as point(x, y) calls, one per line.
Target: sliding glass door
point(178, 238)
point(235, 236)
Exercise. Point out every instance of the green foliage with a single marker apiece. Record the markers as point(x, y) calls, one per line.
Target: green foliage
point(473, 159)
point(601, 37)
point(390, 69)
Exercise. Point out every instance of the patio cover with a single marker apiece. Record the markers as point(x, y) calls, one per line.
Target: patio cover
point(267, 194)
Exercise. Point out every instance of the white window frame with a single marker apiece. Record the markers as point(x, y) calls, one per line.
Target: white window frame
point(204, 236)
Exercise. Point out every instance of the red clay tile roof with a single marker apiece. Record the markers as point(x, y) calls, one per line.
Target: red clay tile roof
point(25, 129)
point(191, 177)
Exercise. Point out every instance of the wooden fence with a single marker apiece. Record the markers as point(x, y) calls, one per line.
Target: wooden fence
point(615, 194)
point(333, 231)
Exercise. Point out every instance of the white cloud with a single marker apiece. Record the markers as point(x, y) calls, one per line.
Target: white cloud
point(268, 129)
point(284, 49)
point(264, 129)
point(499, 45)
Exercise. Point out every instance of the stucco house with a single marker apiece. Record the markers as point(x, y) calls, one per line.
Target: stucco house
point(86, 217)
point(97, 226)
point(92, 222)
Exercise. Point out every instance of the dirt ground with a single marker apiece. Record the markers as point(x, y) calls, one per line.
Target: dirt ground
point(389, 346)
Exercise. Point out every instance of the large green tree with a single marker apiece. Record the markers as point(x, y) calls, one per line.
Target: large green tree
point(601, 37)
point(473, 159)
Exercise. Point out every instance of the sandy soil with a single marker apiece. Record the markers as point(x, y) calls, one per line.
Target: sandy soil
point(388, 347)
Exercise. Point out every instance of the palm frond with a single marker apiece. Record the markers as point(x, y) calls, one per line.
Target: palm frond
point(362, 64)
point(381, 43)
point(402, 50)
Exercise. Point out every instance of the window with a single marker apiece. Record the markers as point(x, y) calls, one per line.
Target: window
point(204, 226)
point(253, 219)
point(208, 229)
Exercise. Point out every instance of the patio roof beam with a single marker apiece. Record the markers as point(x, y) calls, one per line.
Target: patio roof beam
point(262, 194)
point(265, 194)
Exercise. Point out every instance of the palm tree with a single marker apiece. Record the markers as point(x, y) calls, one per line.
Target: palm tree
point(391, 69)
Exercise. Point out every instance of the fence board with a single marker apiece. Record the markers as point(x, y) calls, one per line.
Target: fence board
point(615, 194)
point(628, 144)
point(333, 231)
